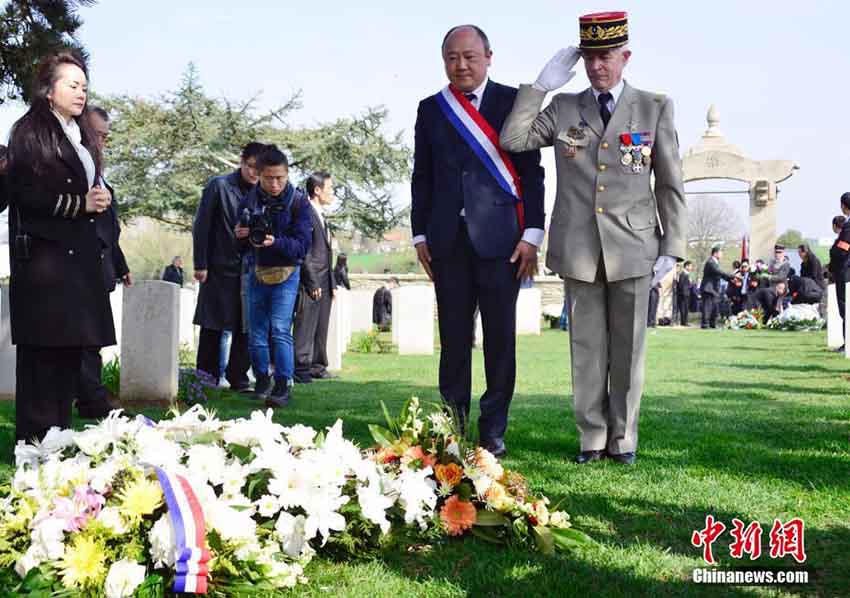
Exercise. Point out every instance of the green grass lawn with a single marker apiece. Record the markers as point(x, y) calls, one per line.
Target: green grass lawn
point(403, 262)
point(752, 425)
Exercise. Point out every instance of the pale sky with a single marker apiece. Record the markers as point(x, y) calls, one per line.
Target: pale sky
point(777, 70)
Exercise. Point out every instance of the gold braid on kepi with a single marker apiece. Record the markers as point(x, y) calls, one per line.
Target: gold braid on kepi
point(603, 30)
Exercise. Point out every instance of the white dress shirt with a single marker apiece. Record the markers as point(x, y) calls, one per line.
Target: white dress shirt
point(534, 236)
point(615, 92)
point(318, 208)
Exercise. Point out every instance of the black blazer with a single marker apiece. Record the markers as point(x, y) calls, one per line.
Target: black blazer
point(683, 285)
point(173, 274)
point(58, 296)
point(448, 177)
point(711, 276)
point(317, 269)
point(215, 246)
point(109, 232)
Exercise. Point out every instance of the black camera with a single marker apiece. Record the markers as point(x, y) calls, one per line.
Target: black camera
point(258, 223)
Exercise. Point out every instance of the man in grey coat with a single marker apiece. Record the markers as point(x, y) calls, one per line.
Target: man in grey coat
point(610, 231)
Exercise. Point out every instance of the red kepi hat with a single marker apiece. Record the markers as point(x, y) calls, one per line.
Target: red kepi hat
point(603, 30)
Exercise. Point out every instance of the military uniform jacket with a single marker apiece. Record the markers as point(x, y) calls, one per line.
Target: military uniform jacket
point(58, 296)
point(604, 207)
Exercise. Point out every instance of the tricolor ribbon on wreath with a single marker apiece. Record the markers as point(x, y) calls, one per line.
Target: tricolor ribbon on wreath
point(484, 142)
point(187, 519)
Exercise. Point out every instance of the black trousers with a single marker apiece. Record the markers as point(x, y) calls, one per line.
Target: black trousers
point(462, 280)
point(209, 356)
point(311, 333)
point(709, 311)
point(45, 385)
point(683, 303)
point(841, 299)
point(652, 315)
point(91, 391)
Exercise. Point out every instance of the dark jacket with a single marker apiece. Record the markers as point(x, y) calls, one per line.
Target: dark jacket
point(449, 177)
point(683, 285)
point(382, 307)
point(812, 268)
point(838, 255)
point(109, 233)
point(767, 300)
point(341, 275)
point(58, 296)
point(316, 271)
point(4, 200)
point(711, 277)
point(292, 226)
point(804, 290)
point(215, 245)
point(173, 274)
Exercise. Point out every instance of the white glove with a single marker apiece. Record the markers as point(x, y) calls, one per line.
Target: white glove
point(559, 70)
point(662, 267)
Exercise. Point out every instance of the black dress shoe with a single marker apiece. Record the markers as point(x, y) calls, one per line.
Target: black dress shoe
point(279, 396)
point(242, 390)
point(495, 447)
point(303, 379)
point(589, 457)
point(624, 458)
point(262, 387)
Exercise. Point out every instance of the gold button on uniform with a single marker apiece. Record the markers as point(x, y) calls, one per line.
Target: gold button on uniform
point(604, 145)
point(68, 181)
point(599, 210)
point(601, 187)
point(602, 167)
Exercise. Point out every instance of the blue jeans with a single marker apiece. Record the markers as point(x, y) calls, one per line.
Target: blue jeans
point(270, 309)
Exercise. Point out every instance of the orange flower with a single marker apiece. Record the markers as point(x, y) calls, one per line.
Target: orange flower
point(458, 516)
point(450, 474)
point(385, 455)
point(415, 453)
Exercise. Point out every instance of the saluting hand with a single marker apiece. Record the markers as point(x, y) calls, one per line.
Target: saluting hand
point(559, 70)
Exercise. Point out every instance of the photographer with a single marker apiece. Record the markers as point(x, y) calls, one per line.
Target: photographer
point(275, 221)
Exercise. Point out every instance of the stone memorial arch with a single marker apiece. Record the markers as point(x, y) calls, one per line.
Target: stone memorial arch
point(715, 158)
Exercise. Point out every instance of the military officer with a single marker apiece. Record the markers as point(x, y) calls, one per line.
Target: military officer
point(609, 231)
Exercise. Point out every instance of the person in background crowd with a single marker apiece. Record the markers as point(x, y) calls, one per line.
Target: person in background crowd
point(654, 296)
point(674, 295)
point(59, 302)
point(761, 274)
point(382, 305)
point(4, 201)
point(810, 266)
point(779, 267)
point(770, 299)
point(838, 258)
point(274, 265)
point(711, 288)
point(174, 271)
point(739, 287)
point(218, 268)
point(93, 399)
point(316, 293)
point(341, 271)
point(804, 290)
point(682, 288)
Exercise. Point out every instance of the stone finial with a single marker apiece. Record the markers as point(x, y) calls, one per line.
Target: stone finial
point(713, 118)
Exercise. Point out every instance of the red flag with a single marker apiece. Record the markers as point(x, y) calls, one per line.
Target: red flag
point(744, 252)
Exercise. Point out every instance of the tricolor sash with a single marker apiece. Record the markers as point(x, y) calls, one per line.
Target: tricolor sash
point(190, 533)
point(484, 142)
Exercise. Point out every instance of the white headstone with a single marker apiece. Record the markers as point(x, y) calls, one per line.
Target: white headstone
point(343, 297)
point(149, 342)
point(7, 350)
point(394, 329)
point(116, 302)
point(413, 320)
point(361, 310)
point(834, 339)
point(529, 310)
point(188, 301)
point(336, 339)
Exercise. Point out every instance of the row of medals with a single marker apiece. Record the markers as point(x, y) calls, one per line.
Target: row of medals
point(636, 156)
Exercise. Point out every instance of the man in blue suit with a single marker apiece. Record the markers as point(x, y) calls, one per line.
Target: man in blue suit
point(477, 218)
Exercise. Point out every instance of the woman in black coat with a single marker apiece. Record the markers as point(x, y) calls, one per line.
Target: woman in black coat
point(811, 266)
point(59, 301)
